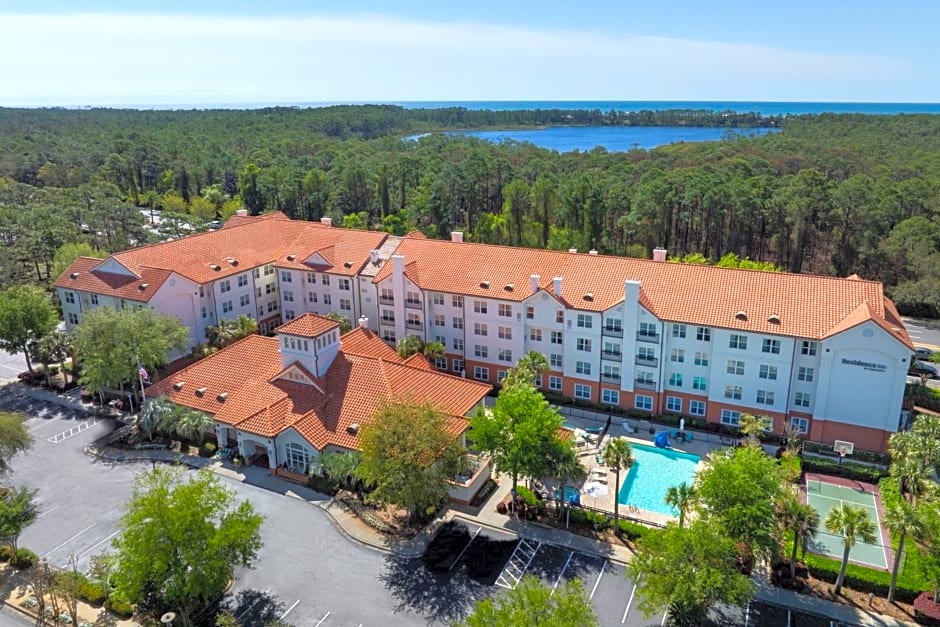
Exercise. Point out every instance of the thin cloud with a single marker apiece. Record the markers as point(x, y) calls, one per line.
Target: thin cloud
point(137, 59)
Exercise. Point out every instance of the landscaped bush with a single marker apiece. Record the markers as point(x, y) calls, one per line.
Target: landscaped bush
point(207, 449)
point(529, 498)
point(632, 531)
point(24, 559)
point(639, 414)
point(826, 449)
point(860, 578)
point(923, 396)
point(322, 484)
point(848, 470)
point(6, 552)
point(119, 607)
point(92, 593)
point(669, 419)
point(791, 466)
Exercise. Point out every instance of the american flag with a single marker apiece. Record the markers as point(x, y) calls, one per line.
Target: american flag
point(143, 373)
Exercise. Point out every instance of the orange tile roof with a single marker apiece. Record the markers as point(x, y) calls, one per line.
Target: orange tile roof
point(308, 325)
point(366, 343)
point(807, 306)
point(419, 361)
point(349, 393)
point(79, 276)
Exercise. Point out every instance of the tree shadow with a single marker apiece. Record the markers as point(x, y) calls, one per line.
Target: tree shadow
point(439, 597)
point(254, 607)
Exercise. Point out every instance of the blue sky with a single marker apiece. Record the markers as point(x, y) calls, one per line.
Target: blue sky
point(239, 51)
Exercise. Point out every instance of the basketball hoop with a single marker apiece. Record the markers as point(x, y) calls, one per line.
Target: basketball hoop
point(843, 451)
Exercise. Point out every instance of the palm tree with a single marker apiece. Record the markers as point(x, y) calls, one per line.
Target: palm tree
point(902, 520)
point(409, 345)
point(432, 350)
point(527, 369)
point(853, 524)
point(908, 464)
point(345, 326)
point(57, 345)
point(192, 424)
point(618, 455)
point(802, 520)
point(564, 466)
point(682, 497)
point(245, 326)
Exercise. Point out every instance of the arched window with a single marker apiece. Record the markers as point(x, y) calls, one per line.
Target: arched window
point(298, 459)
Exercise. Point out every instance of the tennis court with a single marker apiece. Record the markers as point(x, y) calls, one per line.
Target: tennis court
point(824, 497)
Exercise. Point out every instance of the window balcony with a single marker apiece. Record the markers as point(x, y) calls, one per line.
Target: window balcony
point(647, 337)
point(646, 361)
point(387, 300)
point(612, 332)
point(414, 324)
point(611, 355)
point(413, 304)
point(645, 384)
point(388, 321)
point(610, 378)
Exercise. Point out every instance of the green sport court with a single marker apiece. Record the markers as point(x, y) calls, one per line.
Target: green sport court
point(824, 497)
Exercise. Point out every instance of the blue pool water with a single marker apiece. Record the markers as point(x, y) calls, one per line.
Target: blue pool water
point(653, 472)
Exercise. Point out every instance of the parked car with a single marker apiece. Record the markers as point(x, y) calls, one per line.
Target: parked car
point(923, 353)
point(215, 224)
point(921, 368)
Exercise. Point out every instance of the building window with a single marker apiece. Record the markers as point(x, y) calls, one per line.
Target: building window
point(288, 296)
point(94, 299)
point(480, 350)
point(530, 312)
point(440, 363)
point(584, 344)
point(647, 329)
point(387, 295)
point(734, 392)
point(479, 306)
point(298, 459)
point(413, 320)
point(504, 310)
point(674, 404)
point(675, 379)
point(729, 417)
point(554, 383)
point(585, 321)
point(738, 341)
point(388, 316)
point(226, 306)
point(272, 306)
point(699, 383)
point(701, 359)
point(560, 316)
point(505, 354)
point(73, 317)
point(643, 402)
point(286, 276)
point(202, 291)
point(645, 377)
point(204, 312)
point(413, 298)
point(311, 276)
point(808, 348)
point(388, 335)
point(697, 408)
point(289, 314)
point(610, 397)
point(735, 367)
point(765, 397)
point(268, 269)
point(312, 297)
point(270, 288)
point(582, 391)
point(437, 299)
point(458, 344)
point(805, 374)
point(703, 334)
point(582, 367)
point(457, 365)
point(802, 399)
point(646, 354)
point(677, 355)
point(457, 322)
point(325, 279)
point(225, 286)
point(768, 372)
point(244, 300)
point(504, 333)
point(440, 320)
point(678, 330)
point(242, 280)
point(344, 285)
point(481, 373)
point(556, 337)
point(800, 425)
point(346, 305)
point(554, 360)
point(535, 335)
point(771, 346)
point(440, 339)
point(479, 328)
point(614, 325)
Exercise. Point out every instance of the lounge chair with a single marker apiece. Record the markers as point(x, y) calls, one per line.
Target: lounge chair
point(599, 459)
point(673, 433)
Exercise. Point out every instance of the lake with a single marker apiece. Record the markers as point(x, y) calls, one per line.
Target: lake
point(613, 138)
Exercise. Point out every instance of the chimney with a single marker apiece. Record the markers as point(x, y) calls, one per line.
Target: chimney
point(326, 221)
point(363, 322)
point(374, 256)
point(572, 250)
point(592, 252)
point(556, 286)
point(398, 265)
point(659, 254)
point(242, 212)
point(534, 280)
point(456, 236)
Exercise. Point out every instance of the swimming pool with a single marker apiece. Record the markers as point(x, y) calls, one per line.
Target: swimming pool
point(654, 471)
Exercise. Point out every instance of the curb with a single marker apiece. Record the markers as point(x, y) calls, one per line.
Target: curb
point(345, 532)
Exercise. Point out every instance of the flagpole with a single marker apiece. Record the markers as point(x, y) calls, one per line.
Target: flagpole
point(140, 379)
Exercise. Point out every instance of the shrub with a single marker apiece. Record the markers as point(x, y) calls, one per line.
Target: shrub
point(119, 607)
point(6, 552)
point(631, 530)
point(529, 498)
point(24, 559)
point(860, 578)
point(848, 470)
point(669, 419)
point(639, 413)
point(92, 593)
point(322, 484)
point(207, 449)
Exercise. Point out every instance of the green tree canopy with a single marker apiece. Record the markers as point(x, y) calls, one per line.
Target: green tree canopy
point(18, 510)
point(26, 315)
point(409, 456)
point(181, 537)
point(14, 438)
point(67, 253)
point(533, 603)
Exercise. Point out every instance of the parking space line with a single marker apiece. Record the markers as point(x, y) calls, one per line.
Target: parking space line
point(48, 511)
point(472, 538)
point(99, 544)
point(629, 603)
point(281, 617)
point(47, 553)
point(321, 620)
point(747, 614)
point(562, 573)
point(601, 574)
point(254, 603)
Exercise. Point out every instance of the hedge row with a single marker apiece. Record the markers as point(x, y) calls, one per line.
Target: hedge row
point(861, 578)
point(847, 470)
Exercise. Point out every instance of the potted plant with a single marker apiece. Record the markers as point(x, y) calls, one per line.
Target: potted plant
point(237, 460)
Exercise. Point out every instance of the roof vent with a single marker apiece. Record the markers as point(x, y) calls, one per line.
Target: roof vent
point(773, 319)
point(741, 315)
point(291, 257)
point(221, 397)
point(592, 252)
point(143, 286)
point(200, 392)
point(485, 285)
point(572, 250)
point(353, 428)
point(589, 296)
point(179, 385)
point(509, 287)
point(232, 261)
point(215, 266)
point(74, 275)
point(347, 264)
